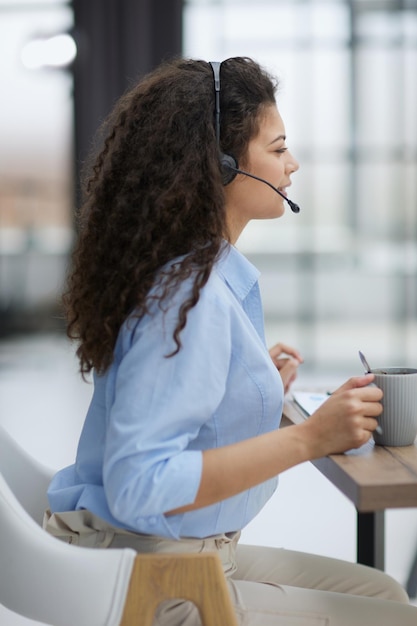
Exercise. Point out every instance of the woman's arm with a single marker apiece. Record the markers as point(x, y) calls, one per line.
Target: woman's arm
point(346, 420)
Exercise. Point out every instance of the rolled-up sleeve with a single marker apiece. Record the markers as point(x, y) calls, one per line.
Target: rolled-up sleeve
point(157, 406)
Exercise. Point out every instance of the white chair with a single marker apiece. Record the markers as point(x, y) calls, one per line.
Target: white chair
point(27, 477)
point(52, 582)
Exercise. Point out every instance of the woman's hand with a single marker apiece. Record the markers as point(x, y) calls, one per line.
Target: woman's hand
point(286, 359)
point(347, 419)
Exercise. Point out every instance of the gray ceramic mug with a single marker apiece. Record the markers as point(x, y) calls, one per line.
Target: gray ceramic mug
point(398, 420)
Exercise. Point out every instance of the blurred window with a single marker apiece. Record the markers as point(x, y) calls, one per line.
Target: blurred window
point(36, 177)
point(341, 275)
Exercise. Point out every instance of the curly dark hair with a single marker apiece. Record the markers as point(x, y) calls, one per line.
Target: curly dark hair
point(154, 193)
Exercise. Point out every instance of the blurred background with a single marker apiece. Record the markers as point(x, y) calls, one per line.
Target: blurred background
point(338, 277)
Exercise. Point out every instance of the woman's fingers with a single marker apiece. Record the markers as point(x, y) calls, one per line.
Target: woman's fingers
point(358, 381)
point(288, 371)
point(283, 348)
point(287, 365)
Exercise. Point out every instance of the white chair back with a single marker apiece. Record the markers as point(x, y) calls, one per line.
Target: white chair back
point(27, 478)
point(49, 581)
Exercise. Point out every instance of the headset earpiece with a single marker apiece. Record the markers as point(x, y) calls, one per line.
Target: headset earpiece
point(228, 164)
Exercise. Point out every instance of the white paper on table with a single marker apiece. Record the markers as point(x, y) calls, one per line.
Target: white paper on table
point(309, 401)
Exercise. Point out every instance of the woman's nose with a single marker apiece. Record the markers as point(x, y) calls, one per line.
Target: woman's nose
point(293, 164)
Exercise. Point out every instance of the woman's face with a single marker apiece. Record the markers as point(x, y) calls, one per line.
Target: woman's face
point(267, 158)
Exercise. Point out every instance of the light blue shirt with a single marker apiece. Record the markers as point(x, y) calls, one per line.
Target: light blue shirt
point(150, 418)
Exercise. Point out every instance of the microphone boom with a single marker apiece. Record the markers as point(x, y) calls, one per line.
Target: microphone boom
point(293, 206)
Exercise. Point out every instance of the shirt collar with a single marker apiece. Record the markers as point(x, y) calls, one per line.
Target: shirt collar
point(235, 269)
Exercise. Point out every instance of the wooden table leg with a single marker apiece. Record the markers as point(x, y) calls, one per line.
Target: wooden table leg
point(370, 541)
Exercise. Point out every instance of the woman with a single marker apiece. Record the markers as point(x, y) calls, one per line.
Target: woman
point(181, 445)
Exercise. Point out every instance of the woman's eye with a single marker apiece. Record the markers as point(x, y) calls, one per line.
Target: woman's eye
point(281, 150)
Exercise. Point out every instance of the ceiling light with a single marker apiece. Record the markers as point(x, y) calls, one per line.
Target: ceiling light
point(56, 51)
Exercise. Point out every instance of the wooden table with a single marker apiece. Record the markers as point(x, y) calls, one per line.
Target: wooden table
point(374, 478)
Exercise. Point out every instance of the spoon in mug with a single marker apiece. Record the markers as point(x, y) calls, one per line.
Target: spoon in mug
point(368, 371)
point(365, 363)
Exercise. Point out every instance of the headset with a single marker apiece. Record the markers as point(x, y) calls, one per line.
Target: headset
point(228, 164)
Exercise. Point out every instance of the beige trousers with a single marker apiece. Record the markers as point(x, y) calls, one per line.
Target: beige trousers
point(268, 586)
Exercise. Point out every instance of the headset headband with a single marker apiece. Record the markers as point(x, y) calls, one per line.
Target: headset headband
point(228, 163)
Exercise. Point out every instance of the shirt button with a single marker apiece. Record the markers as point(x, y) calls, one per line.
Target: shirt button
point(152, 521)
